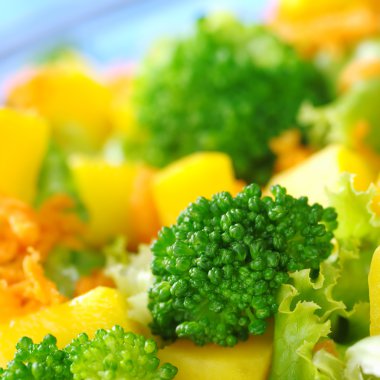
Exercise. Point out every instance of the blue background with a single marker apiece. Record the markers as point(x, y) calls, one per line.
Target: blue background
point(106, 30)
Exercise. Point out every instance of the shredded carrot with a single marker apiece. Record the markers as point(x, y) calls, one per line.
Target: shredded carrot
point(144, 213)
point(26, 237)
point(327, 345)
point(58, 224)
point(97, 278)
point(31, 293)
point(334, 25)
point(289, 150)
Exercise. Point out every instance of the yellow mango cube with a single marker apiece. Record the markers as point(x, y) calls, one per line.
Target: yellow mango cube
point(321, 171)
point(105, 189)
point(374, 293)
point(76, 105)
point(182, 182)
point(24, 139)
point(248, 360)
point(305, 8)
point(99, 308)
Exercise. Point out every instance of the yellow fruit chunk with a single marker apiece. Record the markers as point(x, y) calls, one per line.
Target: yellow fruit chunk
point(23, 143)
point(100, 308)
point(200, 174)
point(76, 105)
point(143, 210)
point(374, 293)
point(321, 171)
point(306, 8)
point(248, 360)
point(105, 189)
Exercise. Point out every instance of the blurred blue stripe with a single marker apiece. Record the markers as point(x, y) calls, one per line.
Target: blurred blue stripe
point(106, 30)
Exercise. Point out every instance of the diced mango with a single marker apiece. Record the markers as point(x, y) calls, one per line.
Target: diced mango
point(143, 209)
point(23, 143)
point(303, 8)
point(248, 360)
point(325, 24)
point(182, 182)
point(76, 105)
point(105, 189)
point(374, 293)
point(100, 308)
point(321, 171)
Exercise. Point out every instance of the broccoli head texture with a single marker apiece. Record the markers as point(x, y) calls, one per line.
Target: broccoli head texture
point(218, 269)
point(117, 355)
point(228, 87)
point(110, 355)
point(38, 361)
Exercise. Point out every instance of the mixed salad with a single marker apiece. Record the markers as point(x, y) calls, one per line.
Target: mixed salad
point(212, 212)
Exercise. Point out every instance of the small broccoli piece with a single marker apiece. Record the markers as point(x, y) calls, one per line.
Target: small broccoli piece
point(117, 355)
point(110, 355)
point(39, 361)
point(228, 87)
point(217, 271)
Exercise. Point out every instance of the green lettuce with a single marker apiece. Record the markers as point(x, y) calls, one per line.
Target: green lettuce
point(357, 221)
point(336, 122)
point(66, 266)
point(304, 318)
point(358, 235)
point(55, 177)
point(132, 276)
point(309, 312)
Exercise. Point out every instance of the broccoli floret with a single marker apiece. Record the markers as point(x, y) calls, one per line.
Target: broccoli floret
point(38, 361)
point(117, 355)
point(217, 271)
point(110, 355)
point(228, 87)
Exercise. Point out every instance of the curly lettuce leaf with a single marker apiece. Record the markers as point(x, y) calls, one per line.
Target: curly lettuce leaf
point(356, 325)
point(354, 262)
point(328, 365)
point(303, 319)
point(132, 276)
point(358, 235)
point(309, 312)
point(356, 218)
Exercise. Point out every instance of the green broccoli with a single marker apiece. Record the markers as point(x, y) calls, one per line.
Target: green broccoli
point(110, 355)
point(38, 361)
point(117, 354)
point(217, 271)
point(228, 87)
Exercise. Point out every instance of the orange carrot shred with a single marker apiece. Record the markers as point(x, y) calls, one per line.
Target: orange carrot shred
point(97, 278)
point(26, 238)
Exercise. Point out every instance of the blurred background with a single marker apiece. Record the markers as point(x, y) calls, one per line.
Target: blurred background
point(104, 30)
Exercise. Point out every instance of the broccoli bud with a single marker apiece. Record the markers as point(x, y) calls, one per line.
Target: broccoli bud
point(38, 361)
point(217, 271)
point(117, 355)
point(229, 87)
point(111, 355)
